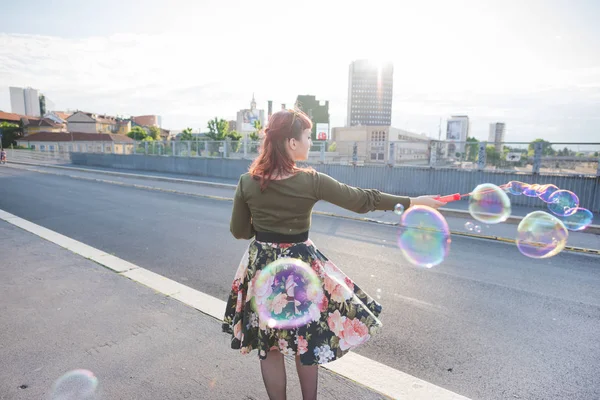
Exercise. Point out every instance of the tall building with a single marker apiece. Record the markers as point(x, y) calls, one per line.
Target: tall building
point(457, 132)
point(496, 136)
point(319, 114)
point(25, 101)
point(370, 90)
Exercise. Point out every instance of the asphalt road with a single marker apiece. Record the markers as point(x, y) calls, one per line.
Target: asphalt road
point(488, 323)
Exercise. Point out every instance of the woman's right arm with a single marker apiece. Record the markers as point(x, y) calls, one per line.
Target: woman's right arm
point(364, 200)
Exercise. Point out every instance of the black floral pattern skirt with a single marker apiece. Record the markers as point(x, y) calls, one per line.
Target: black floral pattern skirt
point(345, 318)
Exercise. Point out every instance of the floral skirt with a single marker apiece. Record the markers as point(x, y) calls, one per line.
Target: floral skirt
point(345, 318)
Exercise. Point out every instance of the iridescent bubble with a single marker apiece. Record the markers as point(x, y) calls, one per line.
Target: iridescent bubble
point(516, 187)
point(546, 191)
point(78, 384)
point(288, 293)
point(531, 190)
point(469, 226)
point(578, 220)
point(424, 236)
point(541, 235)
point(477, 229)
point(563, 202)
point(490, 204)
point(399, 209)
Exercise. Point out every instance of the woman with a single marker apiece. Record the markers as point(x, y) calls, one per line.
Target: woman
point(273, 203)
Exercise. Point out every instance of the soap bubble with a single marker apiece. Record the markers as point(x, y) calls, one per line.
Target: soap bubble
point(516, 187)
point(563, 202)
point(469, 226)
point(490, 204)
point(287, 294)
point(531, 190)
point(79, 384)
point(546, 191)
point(399, 209)
point(541, 235)
point(477, 229)
point(579, 219)
point(424, 236)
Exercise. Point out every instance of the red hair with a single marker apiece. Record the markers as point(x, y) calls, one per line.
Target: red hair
point(273, 159)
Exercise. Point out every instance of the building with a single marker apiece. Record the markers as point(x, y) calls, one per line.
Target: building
point(148, 120)
point(91, 123)
point(232, 125)
point(10, 117)
point(78, 142)
point(247, 117)
point(318, 112)
point(373, 144)
point(496, 136)
point(34, 125)
point(25, 101)
point(370, 91)
point(457, 132)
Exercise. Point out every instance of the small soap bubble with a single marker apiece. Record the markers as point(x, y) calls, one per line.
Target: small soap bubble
point(541, 235)
point(79, 384)
point(469, 226)
point(399, 209)
point(489, 204)
point(477, 229)
point(563, 202)
point(424, 236)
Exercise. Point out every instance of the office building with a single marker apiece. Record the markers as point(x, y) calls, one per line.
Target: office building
point(25, 101)
point(318, 112)
point(496, 136)
point(370, 91)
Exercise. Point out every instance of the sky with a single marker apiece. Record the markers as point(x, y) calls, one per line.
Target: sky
point(533, 64)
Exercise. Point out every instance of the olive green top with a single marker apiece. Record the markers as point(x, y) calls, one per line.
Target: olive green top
point(286, 205)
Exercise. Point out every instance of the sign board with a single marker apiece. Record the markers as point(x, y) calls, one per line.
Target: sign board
point(514, 157)
point(322, 131)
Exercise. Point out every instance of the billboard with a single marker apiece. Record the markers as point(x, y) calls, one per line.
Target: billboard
point(454, 130)
point(248, 118)
point(322, 131)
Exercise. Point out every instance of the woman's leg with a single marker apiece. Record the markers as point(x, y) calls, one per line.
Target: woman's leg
point(309, 376)
point(273, 373)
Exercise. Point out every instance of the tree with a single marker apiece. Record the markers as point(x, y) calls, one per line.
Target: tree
point(547, 149)
point(217, 129)
point(10, 134)
point(491, 155)
point(472, 149)
point(255, 136)
point(137, 133)
point(186, 134)
point(596, 154)
point(155, 132)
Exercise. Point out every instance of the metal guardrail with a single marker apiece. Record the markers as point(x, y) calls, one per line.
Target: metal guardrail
point(514, 157)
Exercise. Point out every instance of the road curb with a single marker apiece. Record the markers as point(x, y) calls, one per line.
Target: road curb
point(592, 229)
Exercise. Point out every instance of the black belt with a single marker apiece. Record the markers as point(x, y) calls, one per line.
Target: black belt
point(273, 237)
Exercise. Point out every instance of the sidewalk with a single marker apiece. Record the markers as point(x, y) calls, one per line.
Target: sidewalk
point(221, 189)
point(62, 312)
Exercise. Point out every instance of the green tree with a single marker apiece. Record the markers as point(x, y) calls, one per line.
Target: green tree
point(155, 132)
point(186, 134)
point(217, 129)
point(596, 154)
point(137, 133)
point(254, 136)
point(547, 149)
point(491, 155)
point(10, 134)
point(472, 149)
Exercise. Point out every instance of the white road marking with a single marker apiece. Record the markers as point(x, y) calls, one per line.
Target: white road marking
point(372, 374)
